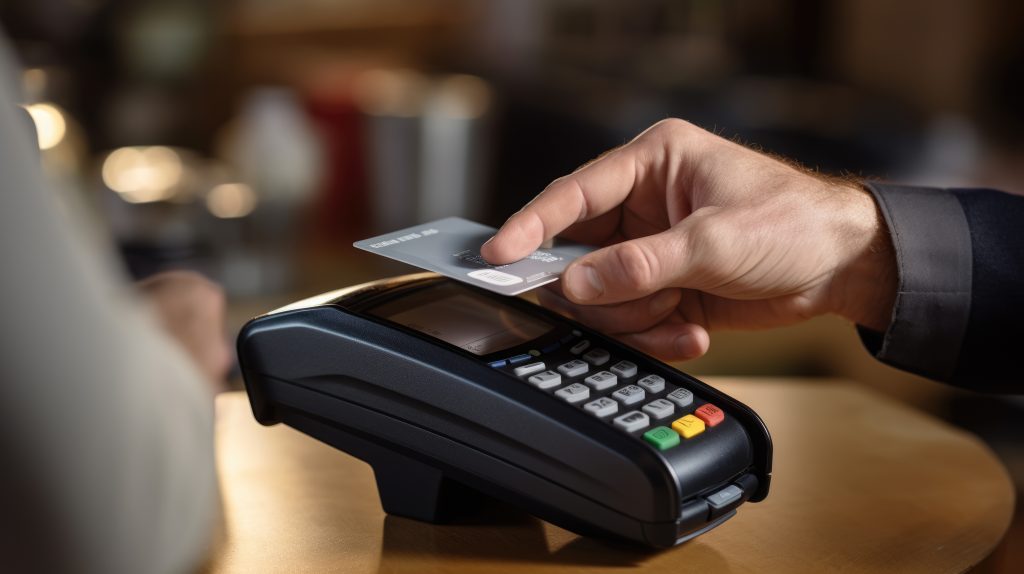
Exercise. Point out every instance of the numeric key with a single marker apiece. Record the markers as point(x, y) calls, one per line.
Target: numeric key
point(602, 407)
point(597, 357)
point(629, 395)
point(601, 380)
point(632, 421)
point(545, 380)
point(574, 368)
point(624, 369)
point(660, 408)
point(652, 384)
point(681, 397)
point(574, 393)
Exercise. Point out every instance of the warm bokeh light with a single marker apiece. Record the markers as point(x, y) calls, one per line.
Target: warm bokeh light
point(231, 200)
point(463, 96)
point(391, 92)
point(143, 174)
point(50, 124)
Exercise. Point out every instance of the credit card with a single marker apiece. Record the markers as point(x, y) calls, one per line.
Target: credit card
point(451, 247)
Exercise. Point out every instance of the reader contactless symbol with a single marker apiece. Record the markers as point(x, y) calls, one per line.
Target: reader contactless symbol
point(453, 393)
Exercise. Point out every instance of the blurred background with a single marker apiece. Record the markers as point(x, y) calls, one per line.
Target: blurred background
point(254, 140)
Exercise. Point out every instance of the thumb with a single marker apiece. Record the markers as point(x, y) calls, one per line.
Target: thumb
point(631, 269)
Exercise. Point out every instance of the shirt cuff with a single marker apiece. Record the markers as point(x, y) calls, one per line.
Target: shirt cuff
point(932, 243)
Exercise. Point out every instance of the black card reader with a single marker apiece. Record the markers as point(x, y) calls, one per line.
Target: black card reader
point(449, 392)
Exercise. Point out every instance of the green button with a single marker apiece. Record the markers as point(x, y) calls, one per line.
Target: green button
point(663, 438)
point(534, 352)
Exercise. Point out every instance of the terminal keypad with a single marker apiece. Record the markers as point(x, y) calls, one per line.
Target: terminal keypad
point(618, 391)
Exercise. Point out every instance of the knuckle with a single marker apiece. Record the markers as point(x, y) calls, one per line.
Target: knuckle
point(672, 127)
point(569, 187)
point(708, 243)
point(702, 228)
point(637, 267)
point(527, 222)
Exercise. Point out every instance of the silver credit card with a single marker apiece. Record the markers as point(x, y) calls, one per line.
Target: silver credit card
point(451, 247)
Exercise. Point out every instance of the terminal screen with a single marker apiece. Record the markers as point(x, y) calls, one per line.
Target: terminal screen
point(463, 318)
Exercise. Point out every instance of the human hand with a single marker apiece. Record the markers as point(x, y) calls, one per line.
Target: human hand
point(191, 309)
point(701, 233)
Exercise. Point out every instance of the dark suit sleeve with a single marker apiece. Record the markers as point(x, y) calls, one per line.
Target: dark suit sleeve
point(959, 310)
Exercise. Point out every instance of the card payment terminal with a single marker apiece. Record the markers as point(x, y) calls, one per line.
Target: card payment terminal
point(450, 392)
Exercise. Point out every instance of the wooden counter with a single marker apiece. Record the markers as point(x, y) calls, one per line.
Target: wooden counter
point(860, 484)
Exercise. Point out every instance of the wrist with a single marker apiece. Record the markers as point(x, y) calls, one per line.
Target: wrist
point(864, 286)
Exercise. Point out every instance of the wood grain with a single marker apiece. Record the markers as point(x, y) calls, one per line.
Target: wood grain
point(861, 484)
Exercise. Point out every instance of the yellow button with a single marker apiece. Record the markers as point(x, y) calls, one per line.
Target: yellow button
point(688, 426)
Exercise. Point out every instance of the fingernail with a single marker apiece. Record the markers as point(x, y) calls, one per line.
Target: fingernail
point(488, 241)
point(663, 302)
point(583, 282)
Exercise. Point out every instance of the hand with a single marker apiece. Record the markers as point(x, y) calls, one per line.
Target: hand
point(191, 309)
point(701, 234)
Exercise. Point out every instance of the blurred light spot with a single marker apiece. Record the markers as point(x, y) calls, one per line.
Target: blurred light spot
point(391, 92)
point(143, 174)
point(50, 124)
point(463, 96)
point(231, 200)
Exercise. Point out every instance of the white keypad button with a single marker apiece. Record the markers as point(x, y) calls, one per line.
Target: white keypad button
point(574, 393)
point(580, 347)
point(545, 380)
point(529, 369)
point(601, 380)
point(624, 369)
point(652, 384)
point(681, 397)
point(597, 357)
point(631, 421)
point(574, 368)
point(660, 408)
point(601, 407)
point(629, 395)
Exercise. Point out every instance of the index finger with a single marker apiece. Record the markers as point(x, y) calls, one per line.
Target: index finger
point(589, 192)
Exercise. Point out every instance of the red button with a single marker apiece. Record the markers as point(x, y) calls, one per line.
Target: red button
point(710, 414)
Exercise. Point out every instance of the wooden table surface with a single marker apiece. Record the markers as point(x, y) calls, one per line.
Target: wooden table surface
point(860, 484)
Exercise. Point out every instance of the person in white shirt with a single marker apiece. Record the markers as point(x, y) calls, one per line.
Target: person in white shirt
point(106, 402)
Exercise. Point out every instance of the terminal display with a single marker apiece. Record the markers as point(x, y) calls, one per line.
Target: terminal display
point(464, 319)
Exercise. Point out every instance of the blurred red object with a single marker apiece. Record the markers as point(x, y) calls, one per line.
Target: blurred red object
point(342, 207)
